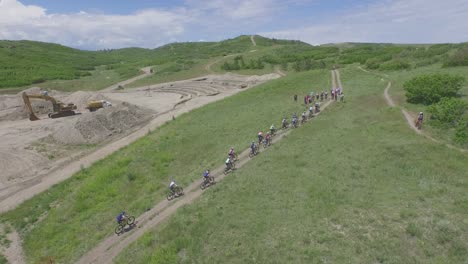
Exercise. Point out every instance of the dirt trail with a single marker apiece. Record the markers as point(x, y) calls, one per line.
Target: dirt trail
point(253, 40)
point(146, 72)
point(209, 65)
point(108, 249)
point(410, 120)
point(14, 252)
point(279, 71)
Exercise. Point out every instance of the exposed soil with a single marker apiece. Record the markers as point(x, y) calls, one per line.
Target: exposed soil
point(35, 155)
point(109, 248)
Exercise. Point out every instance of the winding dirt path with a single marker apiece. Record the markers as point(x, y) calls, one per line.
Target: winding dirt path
point(253, 40)
point(146, 72)
point(409, 119)
point(14, 252)
point(109, 248)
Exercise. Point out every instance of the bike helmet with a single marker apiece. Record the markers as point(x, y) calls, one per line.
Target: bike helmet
point(420, 113)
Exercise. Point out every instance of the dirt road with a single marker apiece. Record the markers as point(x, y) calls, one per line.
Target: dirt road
point(190, 94)
point(146, 72)
point(253, 40)
point(108, 249)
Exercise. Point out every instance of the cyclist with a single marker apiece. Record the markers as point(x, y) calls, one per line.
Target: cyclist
point(260, 137)
point(420, 119)
point(311, 110)
point(317, 107)
point(272, 129)
point(206, 175)
point(303, 116)
point(232, 153)
point(121, 217)
point(267, 139)
point(172, 186)
point(284, 123)
point(294, 121)
point(228, 163)
point(253, 147)
point(326, 95)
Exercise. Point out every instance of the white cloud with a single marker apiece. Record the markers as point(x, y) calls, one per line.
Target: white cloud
point(147, 28)
point(400, 21)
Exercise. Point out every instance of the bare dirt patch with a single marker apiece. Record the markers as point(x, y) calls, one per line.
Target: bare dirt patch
point(36, 155)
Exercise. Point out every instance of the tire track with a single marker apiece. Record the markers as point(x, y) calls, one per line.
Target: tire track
point(108, 249)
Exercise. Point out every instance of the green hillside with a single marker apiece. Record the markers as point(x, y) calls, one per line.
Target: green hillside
point(354, 185)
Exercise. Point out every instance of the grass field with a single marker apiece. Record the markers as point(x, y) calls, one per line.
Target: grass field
point(356, 185)
point(71, 217)
point(398, 94)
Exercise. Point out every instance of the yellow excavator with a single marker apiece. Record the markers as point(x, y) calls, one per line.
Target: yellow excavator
point(60, 109)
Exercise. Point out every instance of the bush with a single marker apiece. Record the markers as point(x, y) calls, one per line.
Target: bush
point(429, 89)
point(460, 58)
point(394, 65)
point(448, 112)
point(461, 132)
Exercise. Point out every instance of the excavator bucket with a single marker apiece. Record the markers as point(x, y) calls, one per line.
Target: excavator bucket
point(33, 117)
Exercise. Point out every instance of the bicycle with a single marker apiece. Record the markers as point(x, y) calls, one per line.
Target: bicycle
point(207, 182)
point(129, 220)
point(178, 191)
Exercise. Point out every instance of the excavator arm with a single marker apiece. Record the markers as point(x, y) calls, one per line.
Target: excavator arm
point(60, 109)
point(27, 103)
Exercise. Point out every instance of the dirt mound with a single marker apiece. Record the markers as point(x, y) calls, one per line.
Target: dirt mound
point(92, 128)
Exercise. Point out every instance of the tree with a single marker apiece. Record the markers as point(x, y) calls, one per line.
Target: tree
point(430, 89)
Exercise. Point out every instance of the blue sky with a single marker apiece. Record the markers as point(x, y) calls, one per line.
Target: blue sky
point(96, 24)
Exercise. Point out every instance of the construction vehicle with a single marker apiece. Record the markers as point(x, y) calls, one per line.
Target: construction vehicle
point(95, 105)
point(59, 109)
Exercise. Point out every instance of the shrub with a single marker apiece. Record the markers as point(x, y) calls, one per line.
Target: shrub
point(460, 58)
point(461, 132)
point(429, 89)
point(394, 65)
point(448, 112)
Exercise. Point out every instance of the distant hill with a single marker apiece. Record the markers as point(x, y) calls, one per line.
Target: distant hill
point(28, 62)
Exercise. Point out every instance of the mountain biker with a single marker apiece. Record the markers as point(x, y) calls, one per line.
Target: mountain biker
point(260, 137)
point(303, 116)
point(272, 129)
point(228, 163)
point(311, 110)
point(326, 94)
point(294, 121)
point(284, 123)
point(317, 107)
point(232, 153)
point(206, 175)
point(121, 217)
point(172, 186)
point(421, 117)
point(267, 138)
point(253, 147)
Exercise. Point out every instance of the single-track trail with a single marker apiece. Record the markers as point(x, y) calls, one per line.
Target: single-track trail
point(109, 248)
point(253, 40)
point(410, 120)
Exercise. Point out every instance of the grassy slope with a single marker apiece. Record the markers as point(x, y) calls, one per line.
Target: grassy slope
point(398, 94)
point(354, 186)
point(73, 216)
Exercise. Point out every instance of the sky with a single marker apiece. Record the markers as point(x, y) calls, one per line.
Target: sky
point(104, 24)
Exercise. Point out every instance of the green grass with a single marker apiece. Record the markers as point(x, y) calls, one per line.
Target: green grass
point(72, 217)
point(164, 73)
point(354, 186)
point(398, 93)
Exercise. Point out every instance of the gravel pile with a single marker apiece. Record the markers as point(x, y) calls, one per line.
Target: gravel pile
point(95, 127)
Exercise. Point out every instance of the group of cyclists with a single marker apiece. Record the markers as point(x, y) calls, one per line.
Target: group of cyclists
point(262, 138)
